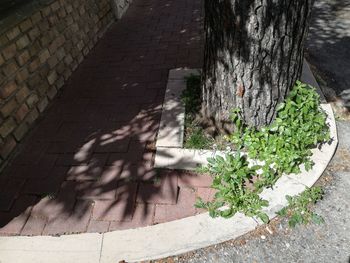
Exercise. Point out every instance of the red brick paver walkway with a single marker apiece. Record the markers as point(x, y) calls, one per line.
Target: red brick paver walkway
point(87, 167)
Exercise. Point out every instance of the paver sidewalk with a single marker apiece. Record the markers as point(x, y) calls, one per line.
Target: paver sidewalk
point(87, 166)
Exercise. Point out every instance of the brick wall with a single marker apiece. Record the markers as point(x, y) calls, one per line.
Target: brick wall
point(40, 47)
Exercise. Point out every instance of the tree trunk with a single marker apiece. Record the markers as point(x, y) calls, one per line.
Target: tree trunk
point(253, 56)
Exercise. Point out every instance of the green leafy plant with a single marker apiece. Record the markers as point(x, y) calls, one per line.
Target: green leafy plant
point(299, 211)
point(231, 175)
point(281, 147)
point(299, 126)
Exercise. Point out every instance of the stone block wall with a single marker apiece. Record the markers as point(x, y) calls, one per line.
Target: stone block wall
point(40, 47)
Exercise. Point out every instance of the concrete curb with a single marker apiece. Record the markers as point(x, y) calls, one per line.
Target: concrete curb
point(169, 238)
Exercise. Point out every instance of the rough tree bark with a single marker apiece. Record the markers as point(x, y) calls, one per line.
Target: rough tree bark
point(253, 56)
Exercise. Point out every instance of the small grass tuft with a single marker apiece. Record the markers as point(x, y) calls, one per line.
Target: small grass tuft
point(191, 96)
point(195, 137)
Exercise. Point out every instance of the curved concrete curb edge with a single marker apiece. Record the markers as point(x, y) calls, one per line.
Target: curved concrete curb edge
point(166, 239)
point(171, 238)
point(199, 231)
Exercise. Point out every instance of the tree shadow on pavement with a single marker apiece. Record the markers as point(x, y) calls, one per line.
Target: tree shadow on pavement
point(91, 157)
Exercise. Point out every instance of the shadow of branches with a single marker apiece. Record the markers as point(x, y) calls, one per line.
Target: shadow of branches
point(91, 156)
